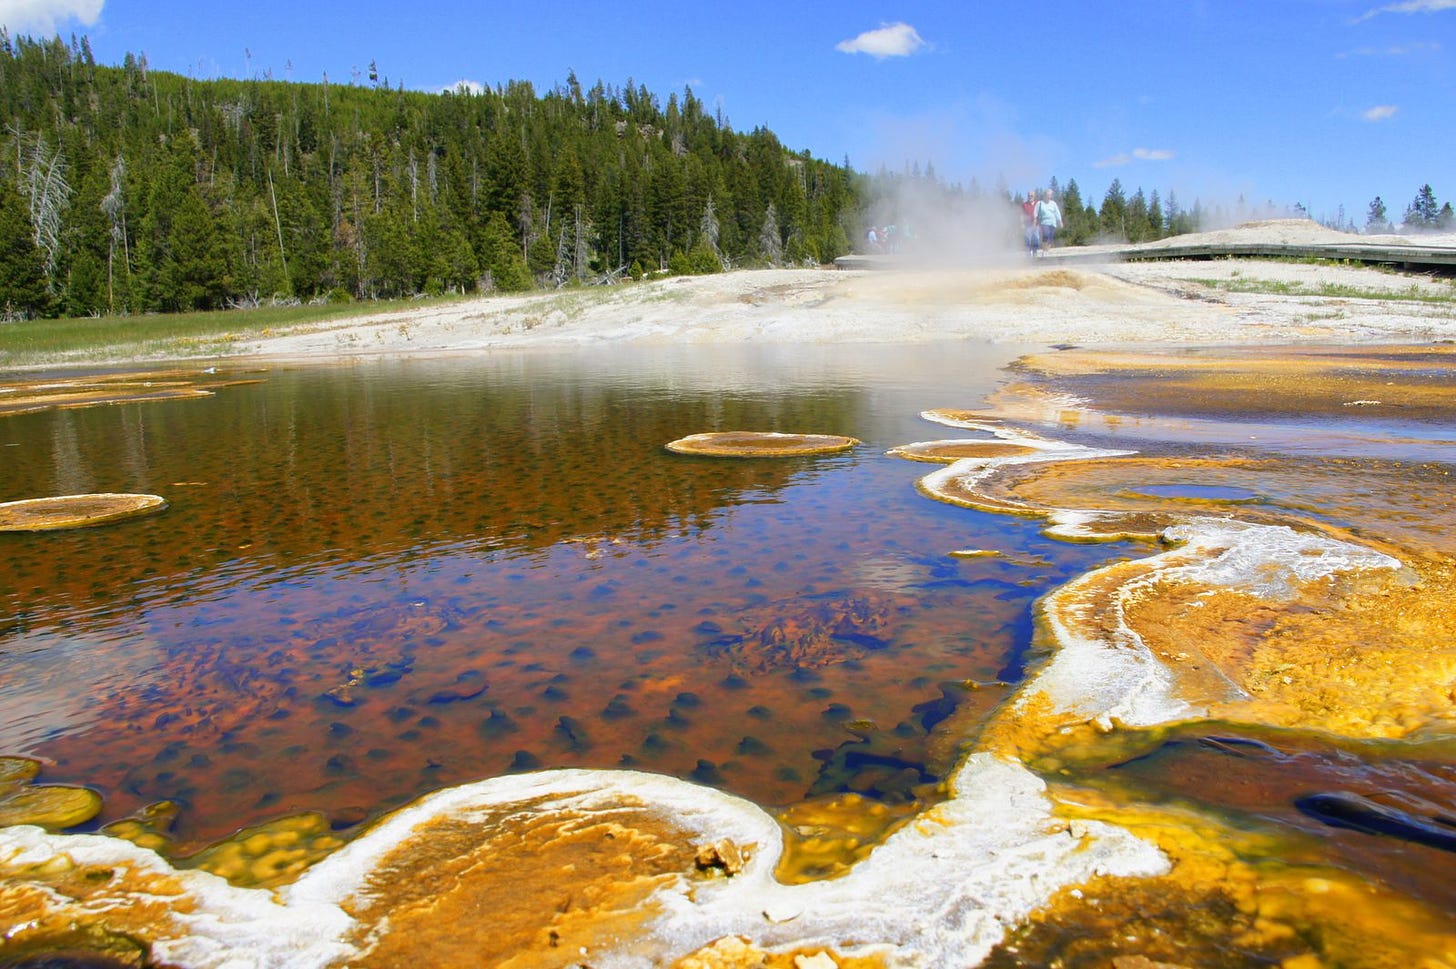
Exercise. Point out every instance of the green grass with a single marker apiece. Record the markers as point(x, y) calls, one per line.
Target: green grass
point(29, 343)
point(1412, 294)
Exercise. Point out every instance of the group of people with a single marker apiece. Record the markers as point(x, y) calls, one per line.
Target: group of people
point(1040, 220)
point(885, 238)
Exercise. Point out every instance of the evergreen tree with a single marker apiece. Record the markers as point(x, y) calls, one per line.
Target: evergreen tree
point(393, 266)
point(85, 289)
point(1076, 229)
point(194, 273)
point(1138, 226)
point(503, 259)
point(1423, 211)
point(1181, 221)
point(23, 292)
point(1112, 217)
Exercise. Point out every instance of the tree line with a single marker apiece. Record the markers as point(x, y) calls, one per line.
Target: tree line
point(1422, 215)
point(130, 190)
point(1138, 218)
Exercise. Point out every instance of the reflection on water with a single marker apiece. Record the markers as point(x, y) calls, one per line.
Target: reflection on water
point(378, 581)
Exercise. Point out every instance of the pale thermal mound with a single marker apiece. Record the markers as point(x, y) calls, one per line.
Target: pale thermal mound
point(599, 867)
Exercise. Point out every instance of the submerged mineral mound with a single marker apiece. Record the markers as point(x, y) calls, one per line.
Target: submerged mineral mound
point(760, 444)
point(93, 390)
point(945, 452)
point(75, 511)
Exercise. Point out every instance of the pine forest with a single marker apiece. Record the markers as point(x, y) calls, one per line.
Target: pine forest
point(135, 191)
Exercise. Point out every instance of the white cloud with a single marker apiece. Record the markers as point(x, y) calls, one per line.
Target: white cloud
point(890, 40)
point(1137, 154)
point(464, 86)
point(1410, 6)
point(41, 18)
point(1381, 112)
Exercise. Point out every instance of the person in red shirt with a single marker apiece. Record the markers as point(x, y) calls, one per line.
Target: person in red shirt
point(1029, 228)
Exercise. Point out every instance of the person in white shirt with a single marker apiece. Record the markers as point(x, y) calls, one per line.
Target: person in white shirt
point(1048, 218)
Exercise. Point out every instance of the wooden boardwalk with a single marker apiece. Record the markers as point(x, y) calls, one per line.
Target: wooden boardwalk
point(1414, 257)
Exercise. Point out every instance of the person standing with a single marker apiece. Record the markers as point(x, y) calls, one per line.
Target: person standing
point(1048, 218)
point(1029, 229)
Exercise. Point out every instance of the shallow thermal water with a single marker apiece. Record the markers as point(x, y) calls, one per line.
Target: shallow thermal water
point(384, 579)
point(377, 580)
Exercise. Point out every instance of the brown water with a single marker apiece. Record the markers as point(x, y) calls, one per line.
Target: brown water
point(374, 581)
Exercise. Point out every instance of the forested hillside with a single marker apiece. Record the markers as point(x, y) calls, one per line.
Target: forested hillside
point(127, 190)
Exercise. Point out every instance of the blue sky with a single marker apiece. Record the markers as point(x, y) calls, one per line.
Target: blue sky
point(1319, 102)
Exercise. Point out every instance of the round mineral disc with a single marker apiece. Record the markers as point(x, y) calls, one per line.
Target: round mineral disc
point(760, 444)
point(946, 452)
point(75, 511)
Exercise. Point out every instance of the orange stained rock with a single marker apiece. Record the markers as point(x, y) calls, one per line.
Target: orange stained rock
point(760, 444)
point(1367, 656)
point(539, 889)
point(64, 906)
point(1040, 734)
point(1378, 660)
point(1218, 905)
